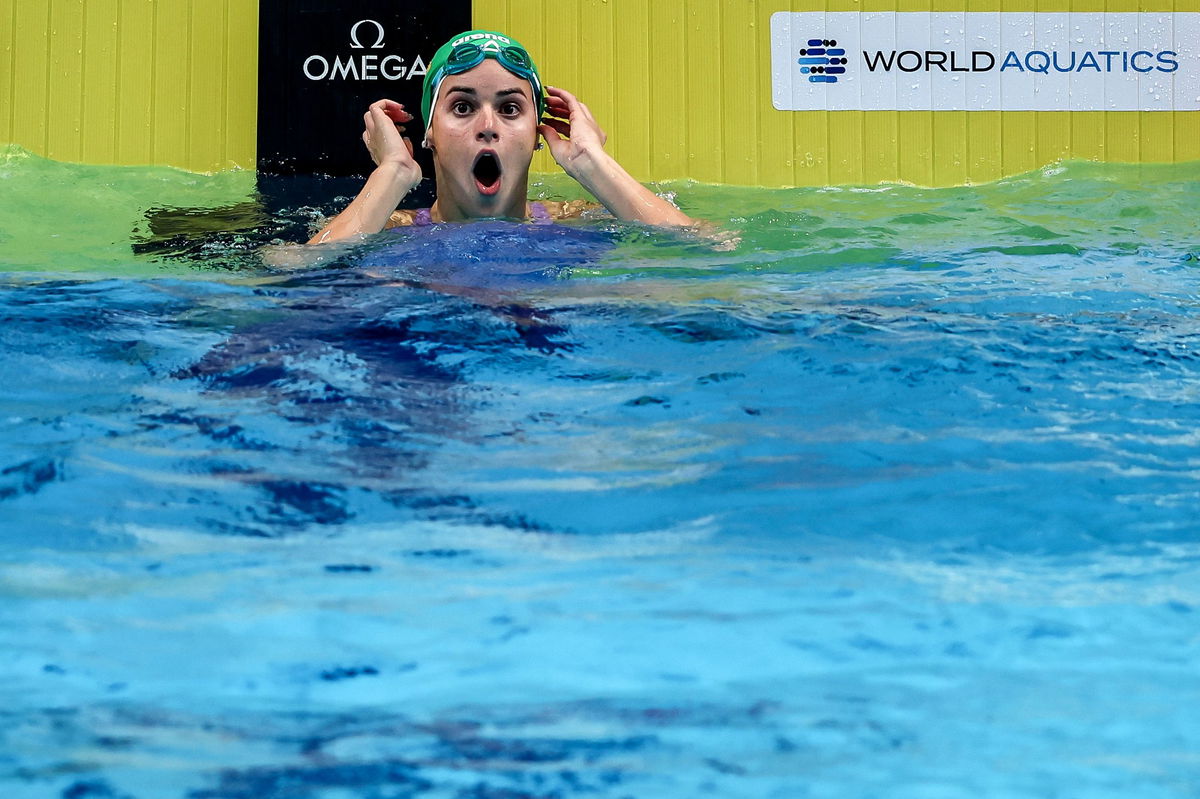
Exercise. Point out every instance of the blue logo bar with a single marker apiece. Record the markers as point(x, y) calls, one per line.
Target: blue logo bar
point(822, 61)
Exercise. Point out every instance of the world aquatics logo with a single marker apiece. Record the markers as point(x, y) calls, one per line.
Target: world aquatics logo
point(822, 60)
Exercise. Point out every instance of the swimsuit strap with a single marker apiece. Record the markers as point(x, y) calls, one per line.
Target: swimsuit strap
point(422, 217)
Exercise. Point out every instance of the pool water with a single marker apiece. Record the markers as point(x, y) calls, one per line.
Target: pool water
point(897, 497)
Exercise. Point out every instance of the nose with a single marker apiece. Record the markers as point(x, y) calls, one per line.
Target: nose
point(487, 132)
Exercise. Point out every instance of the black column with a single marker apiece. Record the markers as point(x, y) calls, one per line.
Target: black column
point(322, 62)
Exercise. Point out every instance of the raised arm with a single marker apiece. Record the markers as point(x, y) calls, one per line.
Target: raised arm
point(395, 175)
point(577, 144)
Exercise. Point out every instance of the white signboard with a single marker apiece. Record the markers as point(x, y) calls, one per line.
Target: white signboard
point(985, 61)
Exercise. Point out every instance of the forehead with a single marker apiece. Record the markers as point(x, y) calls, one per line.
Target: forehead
point(487, 79)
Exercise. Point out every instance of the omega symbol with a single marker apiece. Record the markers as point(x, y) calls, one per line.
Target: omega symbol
point(354, 43)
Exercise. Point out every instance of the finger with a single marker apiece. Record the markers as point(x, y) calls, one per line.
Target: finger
point(389, 109)
point(408, 143)
point(557, 106)
point(380, 119)
point(565, 95)
point(556, 143)
point(558, 125)
point(395, 111)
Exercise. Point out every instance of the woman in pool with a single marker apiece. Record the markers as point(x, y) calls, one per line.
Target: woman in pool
point(484, 108)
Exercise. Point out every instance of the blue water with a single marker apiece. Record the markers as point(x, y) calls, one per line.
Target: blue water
point(493, 512)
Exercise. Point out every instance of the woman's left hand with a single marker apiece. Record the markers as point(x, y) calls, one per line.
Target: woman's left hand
point(574, 133)
point(577, 144)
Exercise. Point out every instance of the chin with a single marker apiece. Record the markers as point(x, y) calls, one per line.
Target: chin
point(480, 193)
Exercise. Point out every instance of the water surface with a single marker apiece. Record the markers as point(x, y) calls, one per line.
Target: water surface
point(897, 497)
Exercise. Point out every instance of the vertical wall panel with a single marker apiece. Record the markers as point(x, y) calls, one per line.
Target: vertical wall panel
point(949, 128)
point(1053, 128)
point(740, 30)
point(596, 85)
point(881, 129)
point(1158, 141)
point(30, 82)
point(1053, 136)
point(1187, 136)
point(99, 101)
point(64, 94)
point(983, 151)
point(206, 90)
point(915, 128)
point(556, 54)
point(881, 136)
point(668, 87)
point(241, 90)
point(1157, 144)
point(1018, 129)
point(8, 16)
point(1018, 141)
point(810, 129)
point(135, 70)
point(704, 73)
point(1087, 127)
point(1087, 135)
point(845, 142)
point(777, 147)
point(1122, 130)
point(630, 131)
point(172, 22)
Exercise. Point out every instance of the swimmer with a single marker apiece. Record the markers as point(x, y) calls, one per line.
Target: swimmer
point(485, 109)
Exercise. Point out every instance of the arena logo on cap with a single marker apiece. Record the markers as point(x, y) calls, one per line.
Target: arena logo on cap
point(365, 66)
point(985, 61)
point(491, 44)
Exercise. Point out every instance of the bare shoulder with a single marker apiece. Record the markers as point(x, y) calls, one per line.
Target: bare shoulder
point(401, 218)
point(568, 209)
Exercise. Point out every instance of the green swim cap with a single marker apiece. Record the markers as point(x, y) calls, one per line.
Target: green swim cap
point(467, 51)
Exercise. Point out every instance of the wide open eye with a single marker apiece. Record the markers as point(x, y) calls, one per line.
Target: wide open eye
point(510, 109)
point(460, 107)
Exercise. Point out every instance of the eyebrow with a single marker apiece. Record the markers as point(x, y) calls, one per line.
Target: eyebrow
point(471, 91)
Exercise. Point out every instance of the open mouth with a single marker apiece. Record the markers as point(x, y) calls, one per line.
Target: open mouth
point(487, 172)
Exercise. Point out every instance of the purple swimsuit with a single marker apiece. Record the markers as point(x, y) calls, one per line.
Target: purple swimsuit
point(540, 215)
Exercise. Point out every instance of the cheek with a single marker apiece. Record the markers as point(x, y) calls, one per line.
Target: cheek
point(525, 132)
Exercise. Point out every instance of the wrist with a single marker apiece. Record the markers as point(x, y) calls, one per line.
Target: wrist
point(399, 176)
point(590, 166)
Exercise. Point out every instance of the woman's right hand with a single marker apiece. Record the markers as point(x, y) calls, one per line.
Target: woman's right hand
point(383, 124)
point(396, 174)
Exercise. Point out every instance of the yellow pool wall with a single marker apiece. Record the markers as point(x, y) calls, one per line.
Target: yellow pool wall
point(682, 88)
